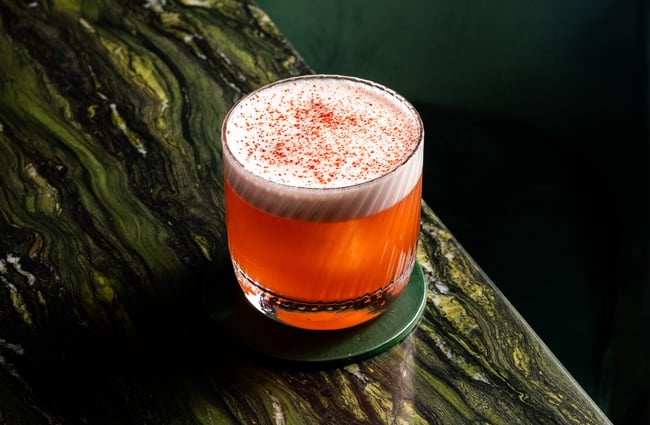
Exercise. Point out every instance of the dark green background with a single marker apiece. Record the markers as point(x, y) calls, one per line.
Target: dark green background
point(536, 155)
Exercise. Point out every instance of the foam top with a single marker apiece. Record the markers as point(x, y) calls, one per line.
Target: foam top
point(320, 131)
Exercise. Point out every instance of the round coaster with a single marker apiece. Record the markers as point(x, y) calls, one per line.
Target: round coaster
point(272, 339)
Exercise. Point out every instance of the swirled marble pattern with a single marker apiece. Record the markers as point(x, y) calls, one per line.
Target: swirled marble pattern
point(109, 119)
point(111, 223)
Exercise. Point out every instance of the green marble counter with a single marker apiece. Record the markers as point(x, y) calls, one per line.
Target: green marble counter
point(111, 230)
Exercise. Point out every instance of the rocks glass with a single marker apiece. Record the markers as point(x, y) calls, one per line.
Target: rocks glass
point(323, 181)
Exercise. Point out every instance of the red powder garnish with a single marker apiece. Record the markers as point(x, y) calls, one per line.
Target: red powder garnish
point(322, 133)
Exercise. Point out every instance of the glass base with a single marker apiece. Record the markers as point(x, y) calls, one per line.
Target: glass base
point(271, 339)
point(321, 316)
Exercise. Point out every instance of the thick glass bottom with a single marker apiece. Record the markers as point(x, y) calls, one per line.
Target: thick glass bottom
point(321, 315)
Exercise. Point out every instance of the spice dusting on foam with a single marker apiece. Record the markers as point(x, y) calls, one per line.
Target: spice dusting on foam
point(322, 133)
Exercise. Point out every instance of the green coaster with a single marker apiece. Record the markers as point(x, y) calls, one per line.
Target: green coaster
point(275, 340)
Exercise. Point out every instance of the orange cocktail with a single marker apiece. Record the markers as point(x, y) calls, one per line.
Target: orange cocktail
point(323, 180)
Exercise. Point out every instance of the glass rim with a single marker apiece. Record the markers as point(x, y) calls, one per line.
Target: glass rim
point(398, 97)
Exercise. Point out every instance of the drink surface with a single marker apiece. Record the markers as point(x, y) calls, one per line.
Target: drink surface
point(322, 133)
point(309, 134)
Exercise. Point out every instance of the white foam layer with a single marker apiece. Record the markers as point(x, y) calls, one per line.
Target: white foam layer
point(322, 147)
